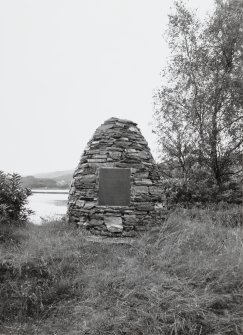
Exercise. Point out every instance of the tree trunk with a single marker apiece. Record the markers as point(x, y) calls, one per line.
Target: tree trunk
point(214, 154)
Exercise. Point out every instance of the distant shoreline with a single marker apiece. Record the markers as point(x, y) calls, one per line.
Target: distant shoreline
point(50, 191)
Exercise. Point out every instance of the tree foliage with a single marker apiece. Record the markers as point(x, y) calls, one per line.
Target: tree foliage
point(199, 111)
point(13, 199)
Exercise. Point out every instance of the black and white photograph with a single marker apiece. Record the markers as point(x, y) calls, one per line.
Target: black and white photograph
point(121, 167)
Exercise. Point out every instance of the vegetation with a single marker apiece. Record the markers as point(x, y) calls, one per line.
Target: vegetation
point(13, 199)
point(199, 110)
point(182, 279)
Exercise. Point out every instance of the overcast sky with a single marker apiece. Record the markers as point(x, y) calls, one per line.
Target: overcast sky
point(68, 65)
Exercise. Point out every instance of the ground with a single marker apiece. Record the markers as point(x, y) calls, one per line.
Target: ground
point(184, 278)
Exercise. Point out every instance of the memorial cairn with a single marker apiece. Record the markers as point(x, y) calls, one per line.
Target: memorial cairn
point(116, 189)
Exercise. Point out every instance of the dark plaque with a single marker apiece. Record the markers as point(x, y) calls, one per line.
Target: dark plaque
point(114, 187)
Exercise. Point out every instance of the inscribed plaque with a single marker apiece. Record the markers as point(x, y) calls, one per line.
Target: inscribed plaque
point(114, 187)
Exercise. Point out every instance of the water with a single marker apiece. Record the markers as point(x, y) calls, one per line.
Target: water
point(48, 204)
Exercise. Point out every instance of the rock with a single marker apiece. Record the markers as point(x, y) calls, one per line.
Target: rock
point(113, 224)
point(89, 205)
point(95, 222)
point(82, 222)
point(96, 160)
point(105, 127)
point(122, 144)
point(87, 178)
point(141, 175)
point(130, 220)
point(131, 233)
point(145, 206)
point(140, 228)
point(115, 155)
point(130, 150)
point(134, 129)
point(155, 190)
point(159, 206)
point(143, 182)
point(139, 189)
point(99, 156)
point(80, 203)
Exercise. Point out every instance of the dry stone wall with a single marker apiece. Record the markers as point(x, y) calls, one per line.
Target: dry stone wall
point(117, 144)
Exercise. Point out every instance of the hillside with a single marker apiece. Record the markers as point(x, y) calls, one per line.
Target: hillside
point(54, 174)
point(47, 183)
point(65, 178)
point(49, 180)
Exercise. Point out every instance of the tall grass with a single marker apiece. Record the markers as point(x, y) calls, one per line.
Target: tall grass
point(184, 278)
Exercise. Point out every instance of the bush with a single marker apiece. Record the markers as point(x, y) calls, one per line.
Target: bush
point(13, 199)
point(201, 189)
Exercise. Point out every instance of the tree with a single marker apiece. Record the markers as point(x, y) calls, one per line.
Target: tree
point(199, 111)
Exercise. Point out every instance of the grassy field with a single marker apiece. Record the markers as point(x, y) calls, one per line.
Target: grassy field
point(184, 278)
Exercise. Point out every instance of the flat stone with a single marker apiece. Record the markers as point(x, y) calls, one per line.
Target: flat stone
point(131, 150)
point(114, 224)
point(134, 129)
point(97, 151)
point(105, 127)
point(122, 121)
point(138, 154)
point(116, 149)
point(99, 156)
point(129, 233)
point(139, 189)
point(140, 228)
point(82, 223)
point(143, 181)
point(86, 178)
point(79, 185)
point(159, 206)
point(144, 206)
point(89, 205)
point(96, 160)
point(130, 219)
point(95, 222)
point(122, 144)
point(120, 124)
point(80, 203)
point(72, 190)
point(87, 147)
point(115, 155)
point(155, 190)
point(142, 175)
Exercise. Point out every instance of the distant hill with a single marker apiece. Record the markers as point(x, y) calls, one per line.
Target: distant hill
point(54, 174)
point(32, 182)
point(51, 180)
point(64, 178)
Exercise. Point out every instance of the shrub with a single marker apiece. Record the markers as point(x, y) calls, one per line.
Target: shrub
point(13, 199)
point(200, 189)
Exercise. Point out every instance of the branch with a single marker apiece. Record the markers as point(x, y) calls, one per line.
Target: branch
point(235, 147)
point(228, 173)
point(240, 117)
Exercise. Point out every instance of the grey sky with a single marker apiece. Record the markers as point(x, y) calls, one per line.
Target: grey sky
point(68, 65)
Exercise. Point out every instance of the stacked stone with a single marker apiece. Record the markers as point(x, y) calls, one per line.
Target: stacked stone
point(117, 144)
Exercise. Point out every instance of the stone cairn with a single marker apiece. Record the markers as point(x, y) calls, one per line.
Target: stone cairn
point(117, 144)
